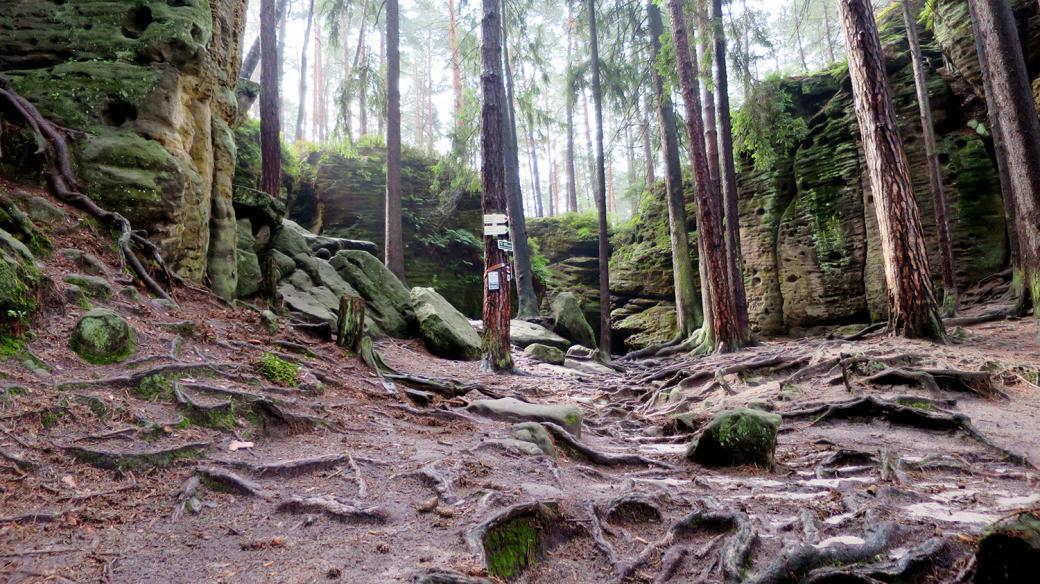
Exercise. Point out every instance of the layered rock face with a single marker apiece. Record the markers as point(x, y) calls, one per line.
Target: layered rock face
point(344, 196)
point(809, 235)
point(151, 86)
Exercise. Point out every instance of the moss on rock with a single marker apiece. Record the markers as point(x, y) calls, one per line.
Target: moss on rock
point(737, 437)
point(102, 337)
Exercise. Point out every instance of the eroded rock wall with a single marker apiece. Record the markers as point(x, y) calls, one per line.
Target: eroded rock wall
point(150, 87)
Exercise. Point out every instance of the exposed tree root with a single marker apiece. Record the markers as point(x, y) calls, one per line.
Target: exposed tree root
point(163, 370)
point(22, 463)
point(873, 328)
point(334, 508)
point(872, 407)
point(572, 445)
point(138, 459)
point(991, 316)
point(64, 185)
point(914, 562)
point(188, 498)
point(438, 576)
point(795, 562)
point(290, 467)
point(735, 551)
point(443, 387)
point(632, 506)
point(937, 380)
point(595, 530)
point(278, 420)
point(35, 517)
point(543, 512)
point(827, 467)
point(230, 481)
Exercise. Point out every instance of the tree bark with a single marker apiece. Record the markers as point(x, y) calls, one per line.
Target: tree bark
point(303, 73)
point(686, 313)
point(648, 149)
point(1014, 119)
point(728, 178)
point(253, 56)
point(935, 182)
point(527, 301)
point(270, 119)
point(497, 355)
point(601, 190)
point(394, 242)
point(589, 156)
point(350, 326)
point(913, 311)
point(539, 209)
point(319, 85)
point(726, 332)
point(572, 186)
point(829, 31)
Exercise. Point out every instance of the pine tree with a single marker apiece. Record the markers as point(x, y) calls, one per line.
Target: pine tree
point(394, 242)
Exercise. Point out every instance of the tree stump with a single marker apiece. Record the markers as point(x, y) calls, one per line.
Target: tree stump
point(350, 327)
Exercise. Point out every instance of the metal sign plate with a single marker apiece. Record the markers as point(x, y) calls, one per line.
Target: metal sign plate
point(492, 230)
point(495, 219)
point(505, 245)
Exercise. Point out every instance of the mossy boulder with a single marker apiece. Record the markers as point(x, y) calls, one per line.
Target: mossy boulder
point(19, 278)
point(290, 240)
point(1010, 550)
point(523, 333)
point(93, 286)
point(386, 299)
point(737, 437)
point(248, 264)
point(569, 320)
point(445, 330)
point(535, 434)
point(102, 337)
point(545, 353)
point(507, 408)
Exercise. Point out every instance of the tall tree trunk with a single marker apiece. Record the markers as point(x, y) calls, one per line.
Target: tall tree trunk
point(539, 209)
point(601, 190)
point(497, 355)
point(303, 73)
point(711, 134)
point(253, 56)
point(727, 335)
point(319, 85)
point(912, 309)
point(430, 121)
point(798, 40)
point(827, 26)
point(456, 62)
point(648, 149)
point(283, 124)
point(1017, 131)
point(270, 103)
point(686, 313)
point(589, 156)
point(345, 96)
point(935, 182)
point(363, 96)
point(381, 118)
point(572, 185)
point(394, 242)
point(728, 178)
point(527, 301)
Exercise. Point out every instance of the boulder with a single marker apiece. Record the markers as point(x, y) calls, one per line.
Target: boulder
point(247, 263)
point(507, 408)
point(514, 446)
point(523, 333)
point(290, 239)
point(569, 321)
point(737, 437)
point(388, 302)
point(102, 337)
point(446, 331)
point(1010, 550)
point(545, 353)
point(39, 209)
point(535, 434)
point(86, 262)
point(322, 273)
point(283, 264)
point(19, 278)
point(92, 286)
point(317, 303)
point(589, 367)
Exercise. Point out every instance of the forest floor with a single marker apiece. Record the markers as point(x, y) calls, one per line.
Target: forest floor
point(207, 472)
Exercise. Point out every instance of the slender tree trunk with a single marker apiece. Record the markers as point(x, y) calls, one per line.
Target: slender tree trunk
point(527, 301)
point(283, 123)
point(253, 56)
point(431, 128)
point(497, 355)
point(913, 311)
point(935, 181)
point(538, 206)
point(1016, 130)
point(686, 312)
point(711, 134)
point(394, 243)
point(589, 156)
point(648, 150)
point(829, 30)
point(303, 73)
point(319, 85)
point(456, 62)
point(270, 104)
point(363, 96)
point(727, 334)
point(572, 185)
point(601, 190)
point(381, 118)
point(728, 177)
point(798, 39)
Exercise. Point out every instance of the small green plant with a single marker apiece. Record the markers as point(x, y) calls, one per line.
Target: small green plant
point(278, 370)
point(155, 387)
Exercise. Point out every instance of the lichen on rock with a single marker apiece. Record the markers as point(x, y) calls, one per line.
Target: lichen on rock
point(102, 337)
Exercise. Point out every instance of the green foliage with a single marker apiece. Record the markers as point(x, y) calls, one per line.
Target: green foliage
point(765, 127)
point(539, 263)
point(511, 547)
point(278, 370)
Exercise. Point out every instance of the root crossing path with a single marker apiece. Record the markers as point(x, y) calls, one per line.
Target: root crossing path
point(189, 466)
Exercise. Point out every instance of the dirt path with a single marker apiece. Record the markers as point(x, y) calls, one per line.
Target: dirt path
point(185, 465)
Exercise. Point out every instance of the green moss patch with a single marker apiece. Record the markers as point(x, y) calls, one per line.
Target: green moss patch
point(278, 370)
point(512, 547)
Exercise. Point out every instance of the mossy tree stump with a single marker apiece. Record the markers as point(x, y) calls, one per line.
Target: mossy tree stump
point(350, 327)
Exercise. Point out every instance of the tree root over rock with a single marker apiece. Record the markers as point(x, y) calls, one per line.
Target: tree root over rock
point(64, 185)
point(334, 508)
point(872, 407)
point(937, 380)
point(916, 561)
point(572, 445)
point(796, 562)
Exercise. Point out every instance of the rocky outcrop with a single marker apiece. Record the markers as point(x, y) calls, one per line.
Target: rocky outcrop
point(445, 330)
point(344, 197)
point(387, 301)
point(150, 84)
point(569, 320)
